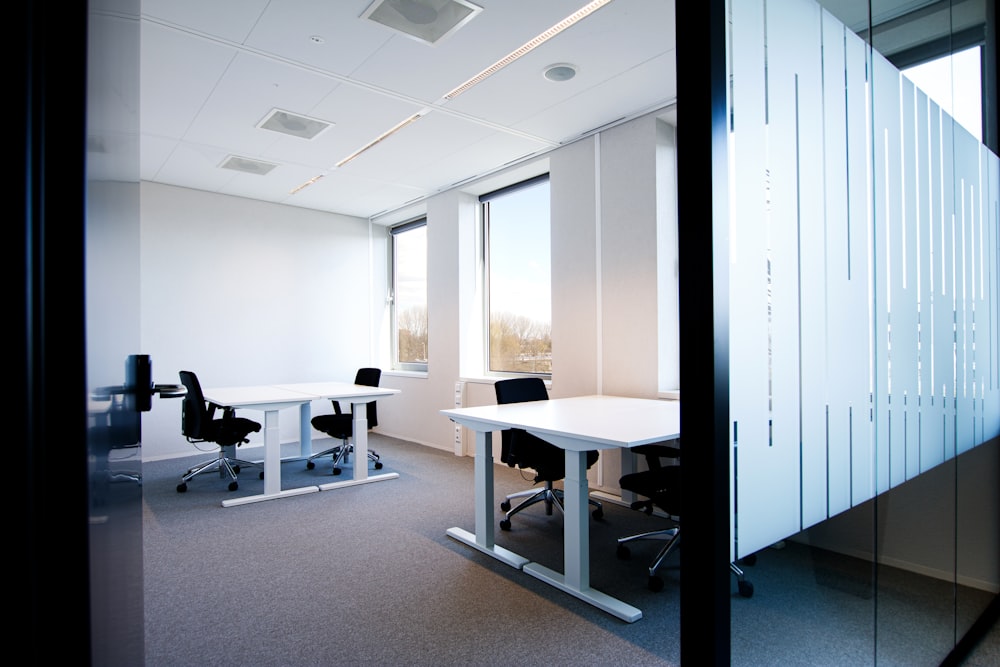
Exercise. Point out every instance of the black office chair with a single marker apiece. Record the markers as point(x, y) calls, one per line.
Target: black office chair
point(518, 448)
point(199, 424)
point(340, 425)
point(660, 487)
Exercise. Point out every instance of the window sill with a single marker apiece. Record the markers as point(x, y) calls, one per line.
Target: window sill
point(405, 374)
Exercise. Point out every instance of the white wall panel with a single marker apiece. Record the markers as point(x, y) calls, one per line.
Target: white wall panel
point(991, 295)
point(858, 356)
point(757, 464)
point(967, 211)
point(922, 232)
point(886, 188)
point(812, 270)
point(838, 288)
point(905, 288)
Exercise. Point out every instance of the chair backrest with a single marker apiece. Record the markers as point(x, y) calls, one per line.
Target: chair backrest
point(369, 377)
point(518, 447)
point(194, 411)
point(520, 390)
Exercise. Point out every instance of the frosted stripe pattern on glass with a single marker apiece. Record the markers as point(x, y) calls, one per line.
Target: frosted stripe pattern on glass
point(864, 284)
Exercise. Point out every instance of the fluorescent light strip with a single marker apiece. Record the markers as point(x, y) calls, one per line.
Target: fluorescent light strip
point(385, 135)
point(573, 18)
point(576, 16)
point(306, 184)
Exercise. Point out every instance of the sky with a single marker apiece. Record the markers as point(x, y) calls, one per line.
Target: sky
point(964, 101)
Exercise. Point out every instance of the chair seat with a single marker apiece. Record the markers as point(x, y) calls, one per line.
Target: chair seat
point(335, 426)
point(230, 431)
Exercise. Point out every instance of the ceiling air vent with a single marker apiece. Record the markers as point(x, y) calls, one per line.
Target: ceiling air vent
point(428, 21)
point(293, 124)
point(247, 165)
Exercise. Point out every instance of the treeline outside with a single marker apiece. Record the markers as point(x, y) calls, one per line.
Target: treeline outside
point(518, 344)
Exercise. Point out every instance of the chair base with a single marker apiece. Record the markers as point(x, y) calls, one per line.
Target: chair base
point(224, 465)
point(552, 497)
point(341, 454)
point(673, 537)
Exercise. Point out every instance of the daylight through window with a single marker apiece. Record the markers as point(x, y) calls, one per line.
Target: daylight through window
point(409, 295)
point(517, 264)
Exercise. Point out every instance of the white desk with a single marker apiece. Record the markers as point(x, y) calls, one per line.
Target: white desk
point(270, 400)
point(575, 425)
point(358, 396)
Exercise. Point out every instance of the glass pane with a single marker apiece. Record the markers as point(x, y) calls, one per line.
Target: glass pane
point(520, 302)
point(861, 228)
point(954, 81)
point(410, 290)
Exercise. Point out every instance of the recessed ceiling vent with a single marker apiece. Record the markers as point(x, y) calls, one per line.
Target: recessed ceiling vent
point(428, 21)
point(247, 165)
point(293, 124)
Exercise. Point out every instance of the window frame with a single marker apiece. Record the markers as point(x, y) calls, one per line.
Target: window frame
point(394, 232)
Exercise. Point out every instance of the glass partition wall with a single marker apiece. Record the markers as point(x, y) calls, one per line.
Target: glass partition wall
point(864, 369)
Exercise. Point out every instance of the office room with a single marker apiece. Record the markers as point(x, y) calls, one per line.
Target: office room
point(249, 292)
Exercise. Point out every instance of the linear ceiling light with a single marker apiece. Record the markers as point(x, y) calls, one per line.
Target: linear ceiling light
point(573, 18)
point(576, 16)
point(382, 137)
point(305, 185)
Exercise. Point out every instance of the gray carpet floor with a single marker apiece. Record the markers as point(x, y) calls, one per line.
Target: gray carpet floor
point(365, 575)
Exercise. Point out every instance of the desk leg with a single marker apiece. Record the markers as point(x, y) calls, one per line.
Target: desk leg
point(305, 430)
point(576, 530)
point(361, 476)
point(272, 453)
point(576, 546)
point(360, 441)
point(483, 540)
point(483, 475)
point(272, 467)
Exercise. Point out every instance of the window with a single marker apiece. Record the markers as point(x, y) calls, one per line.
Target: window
point(409, 296)
point(518, 282)
point(954, 81)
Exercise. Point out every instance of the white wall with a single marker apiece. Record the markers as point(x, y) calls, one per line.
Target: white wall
point(244, 292)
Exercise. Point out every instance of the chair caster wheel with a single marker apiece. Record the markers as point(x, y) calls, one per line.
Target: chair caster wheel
point(655, 583)
point(598, 513)
point(623, 552)
point(505, 524)
point(378, 465)
point(505, 506)
point(336, 471)
point(233, 486)
point(746, 589)
point(236, 469)
point(182, 487)
point(310, 465)
point(261, 476)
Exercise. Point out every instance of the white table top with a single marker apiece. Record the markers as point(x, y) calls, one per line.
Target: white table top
point(342, 390)
point(261, 397)
point(588, 422)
